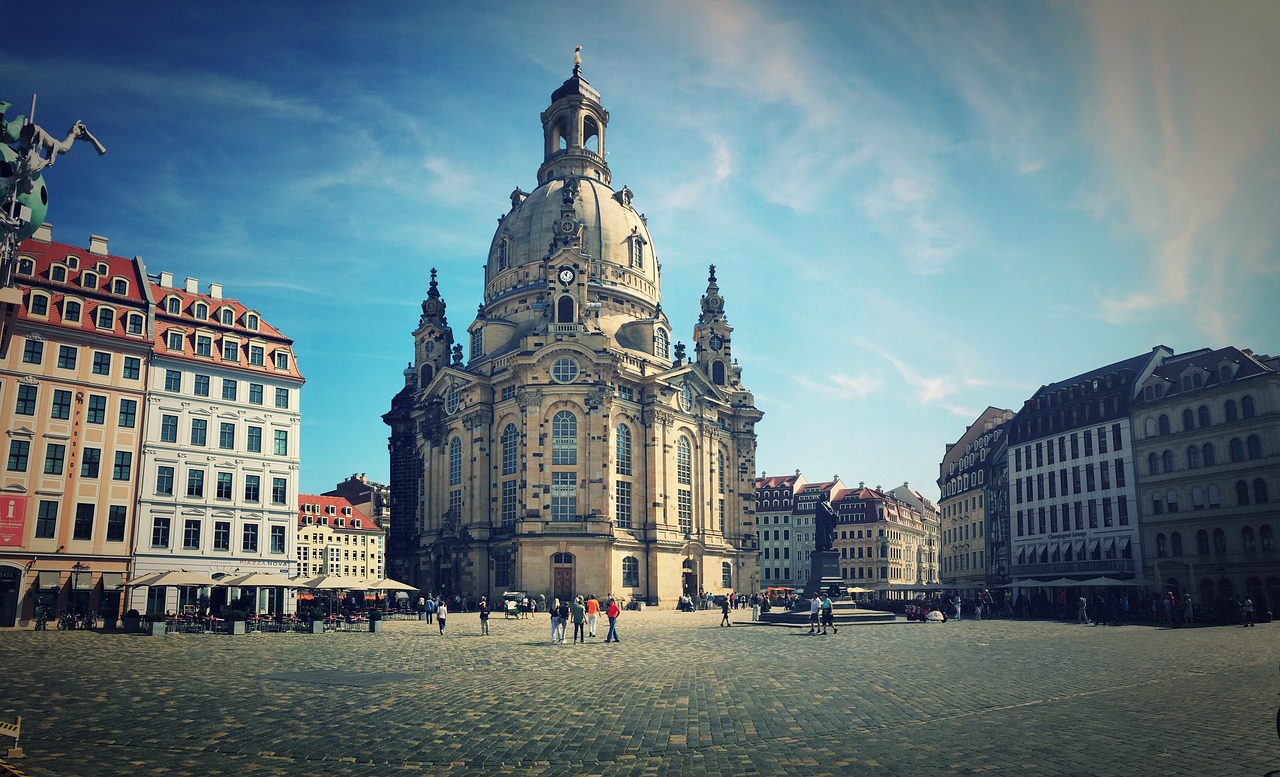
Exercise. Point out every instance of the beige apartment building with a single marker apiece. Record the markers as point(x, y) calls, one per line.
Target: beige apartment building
point(965, 475)
point(72, 397)
point(335, 538)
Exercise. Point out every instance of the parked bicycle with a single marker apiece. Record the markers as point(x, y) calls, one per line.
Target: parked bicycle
point(42, 618)
point(88, 620)
point(66, 621)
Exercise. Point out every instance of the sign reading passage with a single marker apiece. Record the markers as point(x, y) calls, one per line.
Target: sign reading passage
point(13, 520)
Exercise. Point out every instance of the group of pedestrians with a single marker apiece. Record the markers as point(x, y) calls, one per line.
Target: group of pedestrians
point(822, 615)
point(584, 615)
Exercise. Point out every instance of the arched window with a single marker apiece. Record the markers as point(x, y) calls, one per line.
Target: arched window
point(119, 286)
point(1168, 461)
point(564, 310)
point(717, 373)
point(720, 471)
point(630, 572)
point(1209, 457)
point(134, 325)
point(726, 575)
point(1242, 492)
point(427, 372)
point(562, 558)
point(622, 450)
point(1188, 420)
point(202, 311)
point(1171, 500)
point(510, 449)
point(1259, 491)
point(1230, 409)
point(228, 317)
point(1236, 449)
point(1149, 426)
point(684, 461)
point(1204, 418)
point(71, 310)
point(1246, 540)
point(1153, 464)
point(564, 438)
point(106, 318)
point(1164, 424)
point(661, 344)
point(1157, 504)
point(455, 462)
point(1219, 541)
point(89, 280)
point(1197, 498)
point(1215, 495)
point(1246, 406)
point(1255, 446)
point(174, 306)
point(1162, 547)
point(1202, 542)
point(251, 321)
point(1267, 538)
point(1175, 544)
point(1193, 457)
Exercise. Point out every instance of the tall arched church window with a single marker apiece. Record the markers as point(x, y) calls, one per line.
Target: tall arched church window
point(684, 461)
point(1188, 420)
point(564, 438)
point(717, 373)
point(426, 374)
point(1203, 416)
point(630, 572)
point(622, 450)
point(455, 461)
point(1242, 492)
point(564, 310)
point(661, 344)
point(1246, 406)
point(1255, 446)
point(1164, 424)
point(504, 254)
point(1229, 408)
point(726, 575)
point(720, 471)
point(510, 449)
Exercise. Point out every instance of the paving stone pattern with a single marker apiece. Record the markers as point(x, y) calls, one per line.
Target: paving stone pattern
point(679, 695)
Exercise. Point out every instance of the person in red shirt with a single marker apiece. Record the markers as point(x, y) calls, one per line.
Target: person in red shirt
point(593, 610)
point(612, 612)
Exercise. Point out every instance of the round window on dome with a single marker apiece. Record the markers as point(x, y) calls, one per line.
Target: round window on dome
point(451, 400)
point(565, 370)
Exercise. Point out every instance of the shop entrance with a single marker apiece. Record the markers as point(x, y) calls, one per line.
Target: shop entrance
point(10, 582)
point(690, 578)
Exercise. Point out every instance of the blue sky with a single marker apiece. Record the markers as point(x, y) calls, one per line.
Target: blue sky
point(916, 210)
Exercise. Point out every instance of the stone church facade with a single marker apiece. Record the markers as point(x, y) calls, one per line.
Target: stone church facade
point(575, 449)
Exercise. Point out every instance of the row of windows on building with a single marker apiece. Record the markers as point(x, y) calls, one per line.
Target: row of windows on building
point(1085, 412)
point(46, 527)
point(504, 564)
point(199, 436)
point(1205, 455)
point(223, 487)
point(202, 345)
point(55, 460)
point(173, 382)
point(962, 533)
point(1096, 550)
point(68, 358)
point(192, 535)
point(336, 539)
point(1201, 418)
point(104, 316)
point(28, 399)
point(1045, 520)
point(1022, 454)
point(1167, 501)
point(226, 315)
point(1034, 486)
point(1171, 545)
point(963, 561)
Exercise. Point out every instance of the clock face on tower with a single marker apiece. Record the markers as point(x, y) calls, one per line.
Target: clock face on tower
point(566, 275)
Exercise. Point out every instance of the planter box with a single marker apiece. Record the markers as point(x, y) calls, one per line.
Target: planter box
point(132, 624)
point(317, 627)
point(375, 627)
point(237, 627)
point(157, 628)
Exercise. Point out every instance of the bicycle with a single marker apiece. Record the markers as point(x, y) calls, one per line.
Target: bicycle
point(42, 618)
point(88, 621)
point(66, 621)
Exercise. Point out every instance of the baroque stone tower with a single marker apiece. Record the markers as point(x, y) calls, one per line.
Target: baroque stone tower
point(571, 452)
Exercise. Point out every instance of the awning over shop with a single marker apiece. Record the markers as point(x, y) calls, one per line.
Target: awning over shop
point(49, 578)
point(82, 581)
point(112, 580)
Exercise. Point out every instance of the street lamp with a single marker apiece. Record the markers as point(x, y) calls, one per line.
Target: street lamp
point(78, 569)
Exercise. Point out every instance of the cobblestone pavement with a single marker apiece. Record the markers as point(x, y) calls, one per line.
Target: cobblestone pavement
point(678, 695)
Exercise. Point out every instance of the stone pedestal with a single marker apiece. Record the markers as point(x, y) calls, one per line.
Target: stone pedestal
point(824, 572)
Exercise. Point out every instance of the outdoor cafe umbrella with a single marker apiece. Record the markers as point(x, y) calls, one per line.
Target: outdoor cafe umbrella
point(330, 583)
point(387, 584)
point(258, 580)
point(180, 578)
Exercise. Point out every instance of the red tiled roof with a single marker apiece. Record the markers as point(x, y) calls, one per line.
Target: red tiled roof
point(46, 254)
point(323, 518)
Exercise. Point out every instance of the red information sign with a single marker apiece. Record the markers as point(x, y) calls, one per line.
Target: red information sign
point(13, 519)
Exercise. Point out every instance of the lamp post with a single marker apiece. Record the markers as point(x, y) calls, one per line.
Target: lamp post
point(78, 569)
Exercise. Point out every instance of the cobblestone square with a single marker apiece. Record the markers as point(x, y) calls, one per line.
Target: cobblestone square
point(678, 695)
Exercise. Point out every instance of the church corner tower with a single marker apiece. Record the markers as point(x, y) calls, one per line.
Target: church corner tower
point(568, 452)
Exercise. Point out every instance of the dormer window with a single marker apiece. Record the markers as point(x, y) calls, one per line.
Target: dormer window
point(58, 273)
point(504, 253)
point(135, 324)
point(204, 345)
point(356, 523)
point(331, 510)
point(174, 338)
point(120, 286)
point(230, 350)
point(39, 305)
point(661, 344)
point(251, 321)
point(174, 306)
point(282, 360)
point(636, 249)
point(201, 311)
point(106, 318)
point(73, 262)
point(70, 311)
point(228, 317)
point(1225, 373)
point(346, 511)
point(26, 266)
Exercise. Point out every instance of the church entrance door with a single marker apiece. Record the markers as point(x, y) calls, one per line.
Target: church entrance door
point(562, 576)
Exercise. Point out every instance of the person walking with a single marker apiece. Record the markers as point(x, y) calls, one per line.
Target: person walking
point(724, 613)
point(564, 619)
point(1188, 612)
point(755, 607)
point(442, 612)
point(1083, 617)
point(484, 616)
point(431, 606)
point(593, 610)
point(828, 616)
point(1246, 610)
point(814, 604)
point(555, 621)
point(612, 611)
point(579, 614)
